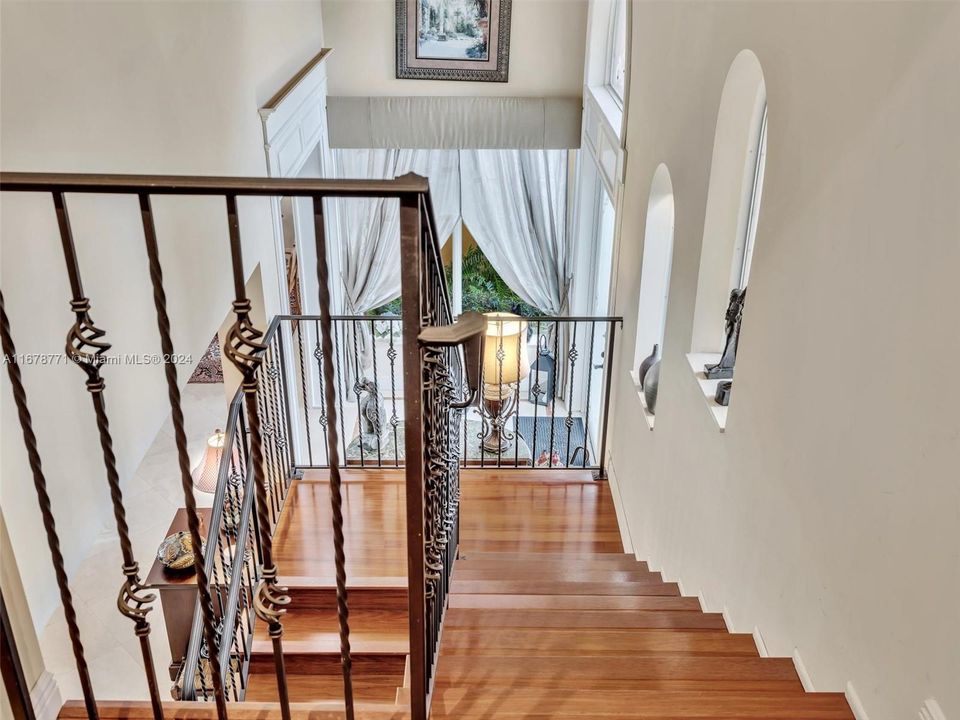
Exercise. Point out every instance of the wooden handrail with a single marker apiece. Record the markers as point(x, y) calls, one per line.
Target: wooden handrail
point(406, 185)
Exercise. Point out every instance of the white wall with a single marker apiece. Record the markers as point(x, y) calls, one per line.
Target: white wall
point(828, 513)
point(546, 51)
point(124, 87)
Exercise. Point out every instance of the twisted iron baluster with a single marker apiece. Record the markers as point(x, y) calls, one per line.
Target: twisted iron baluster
point(318, 354)
point(46, 513)
point(298, 329)
point(183, 457)
point(86, 349)
point(572, 354)
point(244, 349)
point(336, 495)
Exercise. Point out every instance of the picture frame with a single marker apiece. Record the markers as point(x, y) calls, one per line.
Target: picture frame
point(453, 40)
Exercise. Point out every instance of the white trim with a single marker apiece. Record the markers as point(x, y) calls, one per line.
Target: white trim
point(856, 707)
point(624, 527)
point(805, 679)
point(930, 711)
point(727, 620)
point(758, 641)
point(647, 415)
point(708, 388)
point(293, 129)
point(45, 697)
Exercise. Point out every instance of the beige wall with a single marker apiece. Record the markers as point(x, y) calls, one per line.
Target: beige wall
point(828, 514)
point(160, 87)
point(546, 51)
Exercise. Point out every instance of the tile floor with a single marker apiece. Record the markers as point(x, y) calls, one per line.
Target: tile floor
point(151, 497)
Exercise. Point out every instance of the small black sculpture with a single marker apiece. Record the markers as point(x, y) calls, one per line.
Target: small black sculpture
point(372, 415)
point(724, 369)
point(723, 392)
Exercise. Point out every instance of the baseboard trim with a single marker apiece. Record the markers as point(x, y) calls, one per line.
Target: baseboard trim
point(758, 641)
point(931, 710)
point(853, 700)
point(45, 697)
point(614, 483)
point(802, 671)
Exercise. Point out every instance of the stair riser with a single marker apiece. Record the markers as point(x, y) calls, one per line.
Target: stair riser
point(320, 598)
point(329, 664)
point(461, 573)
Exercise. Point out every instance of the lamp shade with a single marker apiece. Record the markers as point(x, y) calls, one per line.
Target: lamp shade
point(206, 472)
point(505, 359)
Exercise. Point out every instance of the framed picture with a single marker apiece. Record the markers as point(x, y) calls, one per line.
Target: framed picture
point(453, 39)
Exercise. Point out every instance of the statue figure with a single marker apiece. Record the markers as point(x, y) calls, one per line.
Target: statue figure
point(373, 416)
point(723, 370)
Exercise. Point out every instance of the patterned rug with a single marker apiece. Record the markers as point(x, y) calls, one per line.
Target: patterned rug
point(210, 368)
point(560, 445)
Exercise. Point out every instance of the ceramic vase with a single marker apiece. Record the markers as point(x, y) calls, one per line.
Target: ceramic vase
point(646, 364)
point(651, 386)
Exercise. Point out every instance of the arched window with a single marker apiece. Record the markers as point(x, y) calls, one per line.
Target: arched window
point(655, 270)
point(730, 222)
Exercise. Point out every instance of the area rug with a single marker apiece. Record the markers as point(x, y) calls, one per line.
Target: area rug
point(568, 453)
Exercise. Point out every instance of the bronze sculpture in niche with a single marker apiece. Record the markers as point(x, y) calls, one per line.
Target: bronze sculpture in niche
point(723, 370)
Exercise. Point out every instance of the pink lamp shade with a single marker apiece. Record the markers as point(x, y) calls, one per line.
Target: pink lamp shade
point(206, 472)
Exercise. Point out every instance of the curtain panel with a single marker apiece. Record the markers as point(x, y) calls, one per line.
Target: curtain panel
point(369, 229)
point(515, 204)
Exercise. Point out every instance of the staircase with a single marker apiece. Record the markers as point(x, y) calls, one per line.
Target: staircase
point(548, 619)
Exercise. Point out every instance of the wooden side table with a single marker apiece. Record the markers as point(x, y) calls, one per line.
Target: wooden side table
point(178, 593)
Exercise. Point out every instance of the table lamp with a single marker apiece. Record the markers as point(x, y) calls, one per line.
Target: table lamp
point(505, 365)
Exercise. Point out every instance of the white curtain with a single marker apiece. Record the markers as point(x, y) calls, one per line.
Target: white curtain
point(369, 229)
point(515, 204)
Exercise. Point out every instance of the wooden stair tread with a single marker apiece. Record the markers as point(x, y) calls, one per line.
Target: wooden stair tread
point(377, 582)
point(329, 644)
point(547, 557)
point(583, 619)
point(547, 642)
point(557, 587)
point(311, 688)
point(575, 602)
point(614, 670)
point(586, 704)
point(525, 574)
point(308, 624)
point(142, 710)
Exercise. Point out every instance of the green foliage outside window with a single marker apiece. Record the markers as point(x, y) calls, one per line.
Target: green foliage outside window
point(483, 290)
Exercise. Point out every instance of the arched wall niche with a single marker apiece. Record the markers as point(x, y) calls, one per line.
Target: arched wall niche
point(733, 172)
point(656, 265)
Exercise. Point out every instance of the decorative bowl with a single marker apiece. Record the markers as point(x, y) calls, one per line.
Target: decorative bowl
point(176, 552)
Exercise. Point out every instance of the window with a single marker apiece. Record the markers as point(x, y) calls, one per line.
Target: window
point(617, 51)
point(657, 262)
point(745, 254)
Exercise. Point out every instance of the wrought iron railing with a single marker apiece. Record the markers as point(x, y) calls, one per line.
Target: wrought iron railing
point(556, 407)
point(246, 349)
point(436, 380)
point(232, 549)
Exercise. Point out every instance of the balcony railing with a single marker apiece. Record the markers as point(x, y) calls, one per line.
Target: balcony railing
point(557, 405)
